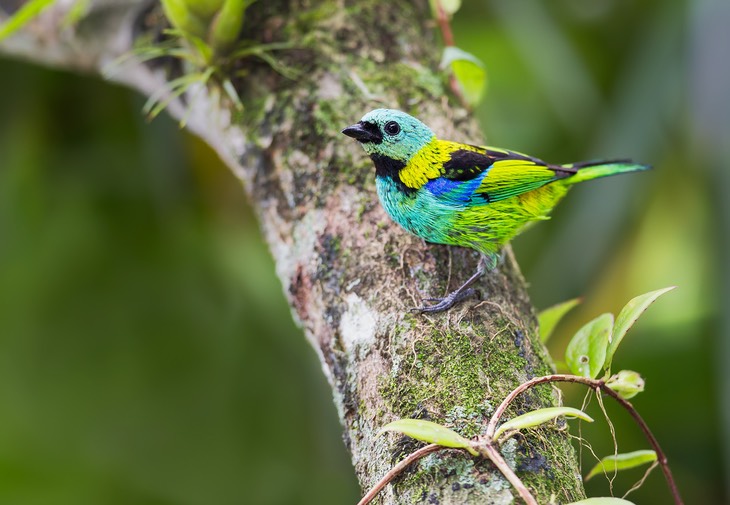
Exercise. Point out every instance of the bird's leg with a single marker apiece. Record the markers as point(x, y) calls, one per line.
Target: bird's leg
point(461, 293)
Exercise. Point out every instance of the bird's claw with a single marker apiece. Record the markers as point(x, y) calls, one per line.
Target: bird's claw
point(434, 299)
point(445, 303)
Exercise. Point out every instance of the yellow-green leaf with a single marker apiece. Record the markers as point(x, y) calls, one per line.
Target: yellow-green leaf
point(615, 462)
point(586, 351)
point(28, 11)
point(469, 73)
point(428, 431)
point(549, 318)
point(628, 316)
point(602, 501)
point(540, 416)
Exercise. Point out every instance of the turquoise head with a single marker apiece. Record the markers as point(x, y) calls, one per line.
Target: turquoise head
point(390, 133)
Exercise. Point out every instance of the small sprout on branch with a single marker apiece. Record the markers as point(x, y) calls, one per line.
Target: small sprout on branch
point(430, 432)
point(539, 416)
point(626, 383)
point(206, 38)
point(616, 462)
point(603, 501)
point(628, 316)
point(586, 352)
point(549, 318)
point(217, 23)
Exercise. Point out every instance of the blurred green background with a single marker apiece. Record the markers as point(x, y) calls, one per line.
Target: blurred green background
point(146, 351)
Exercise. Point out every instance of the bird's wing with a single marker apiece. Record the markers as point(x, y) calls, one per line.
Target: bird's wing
point(493, 174)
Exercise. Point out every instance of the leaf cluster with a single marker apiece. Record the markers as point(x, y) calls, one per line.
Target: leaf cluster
point(592, 348)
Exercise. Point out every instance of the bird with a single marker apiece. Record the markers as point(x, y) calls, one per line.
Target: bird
point(452, 193)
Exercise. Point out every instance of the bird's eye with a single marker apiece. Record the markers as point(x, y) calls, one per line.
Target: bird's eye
point(392, 128)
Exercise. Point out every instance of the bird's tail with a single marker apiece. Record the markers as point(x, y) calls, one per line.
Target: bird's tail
point(587, 170)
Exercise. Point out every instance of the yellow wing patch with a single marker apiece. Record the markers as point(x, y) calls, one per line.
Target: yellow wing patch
point(427, 164)
point(512, 177)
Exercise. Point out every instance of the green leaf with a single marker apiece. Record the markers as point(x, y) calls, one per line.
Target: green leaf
point(540, 416)
point(628, 316)
point(18, 20)
point(586, 351)
point(602, 501)
point(469, 73)
point(549, 318)
point(626, 383)
point(203, 49)
point(180, 16)
point(430, 432)
point(275, 64)
point(158, 101)
point(78, 10)
point(205, 9)
point(616, 462)
point(227, 25)
point(232, 94)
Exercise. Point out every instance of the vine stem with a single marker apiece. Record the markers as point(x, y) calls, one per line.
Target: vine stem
point(393, 472)
point(443, 21)
point(488, 449)
point(444, 25)
point(599, 385)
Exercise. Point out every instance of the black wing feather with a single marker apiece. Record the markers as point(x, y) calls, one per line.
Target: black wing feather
point(465, 165)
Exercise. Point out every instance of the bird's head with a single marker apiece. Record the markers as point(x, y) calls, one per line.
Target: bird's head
point(390, 133)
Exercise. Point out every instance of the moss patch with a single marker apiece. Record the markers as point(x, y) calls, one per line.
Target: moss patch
point(453, 376)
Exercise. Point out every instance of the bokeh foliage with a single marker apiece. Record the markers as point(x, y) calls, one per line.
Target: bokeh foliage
point(146, 353)
point(572, 80)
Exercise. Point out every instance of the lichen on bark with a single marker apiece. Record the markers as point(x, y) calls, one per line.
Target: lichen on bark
point(349, 273)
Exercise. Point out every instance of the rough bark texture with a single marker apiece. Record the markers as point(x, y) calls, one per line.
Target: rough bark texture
point(349, 273)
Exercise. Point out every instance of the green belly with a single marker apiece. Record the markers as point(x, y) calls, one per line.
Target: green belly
point(485, 227)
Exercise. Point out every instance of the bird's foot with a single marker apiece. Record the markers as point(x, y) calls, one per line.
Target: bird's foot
point(445, 303)
point(464, 291)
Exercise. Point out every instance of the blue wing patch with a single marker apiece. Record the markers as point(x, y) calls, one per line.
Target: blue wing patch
point(453, 191)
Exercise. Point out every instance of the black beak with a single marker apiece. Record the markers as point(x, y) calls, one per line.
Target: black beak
point(364, 131)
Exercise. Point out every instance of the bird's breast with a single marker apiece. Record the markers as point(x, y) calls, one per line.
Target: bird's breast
point(412, 210)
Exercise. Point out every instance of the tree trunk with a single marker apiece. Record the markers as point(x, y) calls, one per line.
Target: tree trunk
point(350, 274)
